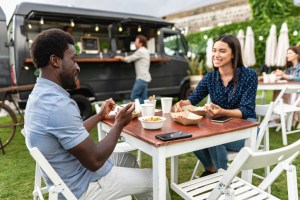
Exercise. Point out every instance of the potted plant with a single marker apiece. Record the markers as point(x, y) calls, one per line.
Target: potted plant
point(104, 46)
point(196, 66)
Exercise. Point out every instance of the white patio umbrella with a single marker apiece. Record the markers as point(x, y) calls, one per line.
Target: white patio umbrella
point(271, 46)
point(283, 45)
point(209, 47)
point(241, 37)
point(249, 58)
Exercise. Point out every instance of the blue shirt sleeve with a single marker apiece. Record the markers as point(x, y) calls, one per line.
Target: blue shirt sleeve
point(200, 92)
point(247, 103)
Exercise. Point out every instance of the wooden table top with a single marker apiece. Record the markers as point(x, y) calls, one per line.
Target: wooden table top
point(204, 128)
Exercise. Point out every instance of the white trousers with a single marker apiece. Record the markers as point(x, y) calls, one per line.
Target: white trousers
point(123, 180)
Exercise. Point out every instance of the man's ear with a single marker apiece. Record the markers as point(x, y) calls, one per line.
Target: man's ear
point(54, 60)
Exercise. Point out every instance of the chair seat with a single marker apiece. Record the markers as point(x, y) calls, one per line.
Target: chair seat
point(201, 188)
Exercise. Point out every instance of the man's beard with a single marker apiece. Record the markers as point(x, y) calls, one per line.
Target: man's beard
point(67, 81)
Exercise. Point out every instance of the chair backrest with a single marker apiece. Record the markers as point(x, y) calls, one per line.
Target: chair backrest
point(100, 134)
point(263, 127)
point(248, 159)
point(59, 186)
point(280, 95)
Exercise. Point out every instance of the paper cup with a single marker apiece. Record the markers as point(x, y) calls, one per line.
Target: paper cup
point(151, 102)
point(147, 109)
point(166, 104)
point(266, 78)
point(137, 105)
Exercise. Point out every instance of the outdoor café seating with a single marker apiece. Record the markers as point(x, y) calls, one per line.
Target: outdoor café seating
point(262, 141)
point(227, 185)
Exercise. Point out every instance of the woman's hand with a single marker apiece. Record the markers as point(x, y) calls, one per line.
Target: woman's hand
point(124, 115)
point(279, 72)
point(213, 109)
point(106, 107)
point(178, 106)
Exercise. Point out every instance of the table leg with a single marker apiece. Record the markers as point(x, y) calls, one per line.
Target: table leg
point(250, 142)
point(159, 174)
point(174, 169)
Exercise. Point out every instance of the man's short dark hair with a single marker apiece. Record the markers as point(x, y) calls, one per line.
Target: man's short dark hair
point(142, 40)
point(49, 42)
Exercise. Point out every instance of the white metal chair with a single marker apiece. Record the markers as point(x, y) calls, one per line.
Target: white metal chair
point(58, 185)
point(226, 184)
point(286, 112)
point(121, 146)
point(263, 134)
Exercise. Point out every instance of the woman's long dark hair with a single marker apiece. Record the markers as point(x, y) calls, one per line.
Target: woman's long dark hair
point(295, 49)
point(235, 46)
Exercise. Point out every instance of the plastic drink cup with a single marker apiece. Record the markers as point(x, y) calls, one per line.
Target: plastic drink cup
point(153, 102)
point(166, 104)
point(147, 109)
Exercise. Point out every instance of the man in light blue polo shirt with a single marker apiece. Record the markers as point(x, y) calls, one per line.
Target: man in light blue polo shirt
point(53, 124)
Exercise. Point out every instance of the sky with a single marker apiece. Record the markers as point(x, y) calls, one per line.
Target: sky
point(157, 8)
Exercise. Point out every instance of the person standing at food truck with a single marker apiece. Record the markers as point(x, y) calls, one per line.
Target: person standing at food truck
point(141, 59)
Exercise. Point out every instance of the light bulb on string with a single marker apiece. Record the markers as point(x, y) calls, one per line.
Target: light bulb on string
point(173, 28)
point(158, 32)
point(29, 25)
point(97, 28)
point(260, 38)
point(42, 21)
point(120, 29)
point(72, 23)
point(205, 37)
point(139, 29)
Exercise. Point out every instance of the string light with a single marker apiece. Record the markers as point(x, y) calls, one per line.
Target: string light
point(72, 23)
point(29, 25)
point(205, 37)
point(158, 32)
point(173, 28)
point(139, 29)
point(261, 38)
point(97, 28)
point(42, 21)
point(120, 29)
point(182, 31)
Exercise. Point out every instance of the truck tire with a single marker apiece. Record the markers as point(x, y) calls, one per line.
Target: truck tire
point(184, 91)
point(84, 105)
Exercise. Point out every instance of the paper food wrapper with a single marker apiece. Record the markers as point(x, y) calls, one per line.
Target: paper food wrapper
point(185, 117)
point(194, 109)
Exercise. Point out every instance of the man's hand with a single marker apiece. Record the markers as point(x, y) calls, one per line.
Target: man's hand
point(119, 58)
point(124, 115)
point(106, 107)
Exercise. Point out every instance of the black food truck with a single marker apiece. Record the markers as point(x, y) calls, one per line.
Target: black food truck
point(99, 36)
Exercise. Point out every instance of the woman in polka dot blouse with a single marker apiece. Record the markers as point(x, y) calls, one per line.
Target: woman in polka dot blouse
point(232, 89)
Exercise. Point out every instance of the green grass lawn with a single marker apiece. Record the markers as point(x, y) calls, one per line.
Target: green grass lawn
point(17, 168)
